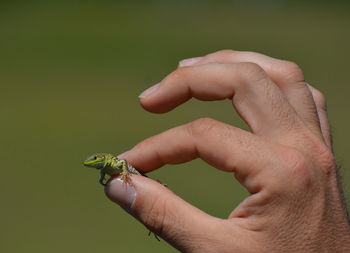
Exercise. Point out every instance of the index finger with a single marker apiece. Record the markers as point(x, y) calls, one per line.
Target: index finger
point(223, 146)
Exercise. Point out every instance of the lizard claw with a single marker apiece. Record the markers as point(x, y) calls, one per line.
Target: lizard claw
point(125, 176)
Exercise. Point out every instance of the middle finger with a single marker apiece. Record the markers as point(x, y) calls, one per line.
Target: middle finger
point(256, 98)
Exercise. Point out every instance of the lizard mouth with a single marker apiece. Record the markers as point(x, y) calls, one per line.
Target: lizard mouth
point(93, 164)
point(89, 163)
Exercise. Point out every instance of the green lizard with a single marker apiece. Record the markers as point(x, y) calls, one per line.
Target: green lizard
point(111, 165)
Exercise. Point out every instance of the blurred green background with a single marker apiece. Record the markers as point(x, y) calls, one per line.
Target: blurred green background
point(70, 76)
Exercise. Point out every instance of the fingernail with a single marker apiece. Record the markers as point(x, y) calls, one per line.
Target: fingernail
point(190, 61)
point(149, 91)
point(122, 193)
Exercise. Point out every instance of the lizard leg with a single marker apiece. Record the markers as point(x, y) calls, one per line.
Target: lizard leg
point(150, 232)
point(102, 178)
point(125, 176)
point(124, 170)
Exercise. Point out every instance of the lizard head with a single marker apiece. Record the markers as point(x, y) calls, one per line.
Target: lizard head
point(97, 161)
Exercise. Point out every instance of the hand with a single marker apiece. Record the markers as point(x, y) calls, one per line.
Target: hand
point(286, 162)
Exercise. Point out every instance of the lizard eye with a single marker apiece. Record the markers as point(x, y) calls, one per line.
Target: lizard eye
point(95, 157)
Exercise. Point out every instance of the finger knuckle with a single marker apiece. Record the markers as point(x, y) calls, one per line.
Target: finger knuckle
point(292, 71)
point(324, 158)
point(297, 162)
point(298, 171)
point(145, 143)
point(226, 52)
point(304, 167)
point(319, 99)
point(225, 55)
point(251, 72)
point(178, 74)
point(202, 125)
point(328, 162)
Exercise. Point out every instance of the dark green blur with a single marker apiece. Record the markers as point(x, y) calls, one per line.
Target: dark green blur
point(70, 76)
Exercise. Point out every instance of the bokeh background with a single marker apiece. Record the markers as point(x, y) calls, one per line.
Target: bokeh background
point(70, 76)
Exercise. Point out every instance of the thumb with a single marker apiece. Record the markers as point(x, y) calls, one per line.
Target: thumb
point(167, 215)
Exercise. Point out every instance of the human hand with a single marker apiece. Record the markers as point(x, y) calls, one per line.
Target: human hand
point(286, 162)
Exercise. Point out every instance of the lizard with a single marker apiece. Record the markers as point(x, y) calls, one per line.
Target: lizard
point(111, 165)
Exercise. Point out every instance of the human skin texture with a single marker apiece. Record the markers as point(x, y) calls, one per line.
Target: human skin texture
point(285, 162)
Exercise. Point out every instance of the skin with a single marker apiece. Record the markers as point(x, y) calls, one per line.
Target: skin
point(285, 162)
